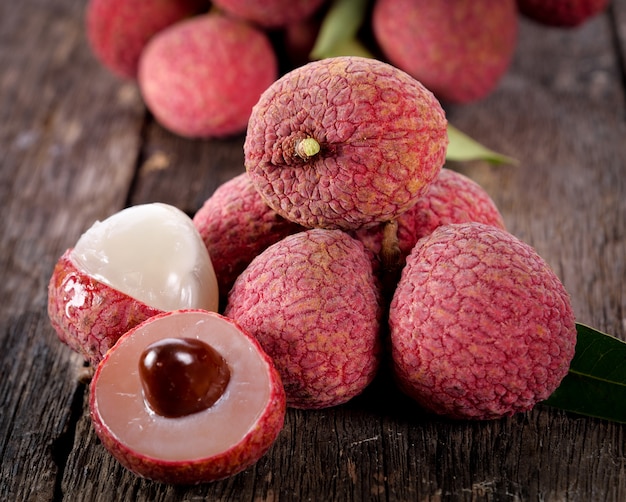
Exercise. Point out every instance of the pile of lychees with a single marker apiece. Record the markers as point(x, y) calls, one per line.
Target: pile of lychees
point(202, 65)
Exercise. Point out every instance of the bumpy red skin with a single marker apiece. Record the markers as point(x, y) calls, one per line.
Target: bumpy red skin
point(88, 315)
point(118, 30)
point(561, 13)
point(459, 49)
point(236, 225)
point(270, 13)
point(382, 135)
point(311, 302)
point(228, 463)
point(480, 326)
point(202, 76)
point(451, 198)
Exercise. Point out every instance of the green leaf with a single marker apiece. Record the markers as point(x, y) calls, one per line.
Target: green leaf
point(340, 25)
point(463, 148)
point(595, 385)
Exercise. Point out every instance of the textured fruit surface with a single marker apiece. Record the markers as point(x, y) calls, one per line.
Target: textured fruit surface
point(270, 13)
point(381, 135)
point(89, 315)
point(211, 444)
point(562, 13)
point(451, 198)
point(201, 77)
point(312, 303)
point(236, 225)
point(459, 49)
point(118, 30)
point(480, 326)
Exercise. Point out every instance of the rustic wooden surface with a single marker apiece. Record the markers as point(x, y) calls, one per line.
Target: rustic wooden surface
point(76, 144)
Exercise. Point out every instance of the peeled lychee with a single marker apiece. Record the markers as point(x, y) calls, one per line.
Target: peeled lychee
point(226, 412)
point(201, 77)
point(118, 30)
point(270, 13)
point(236, 225)
point(451, 198)
point(139, 262)
point(561, 13)
point(312, 303)
point(459, 49)
point(480, 326)
point(345, 142)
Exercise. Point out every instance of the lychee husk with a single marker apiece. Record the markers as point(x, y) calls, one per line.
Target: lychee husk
point(312, 302)
point(480, 326)
point(381, 134)
point(88, 315)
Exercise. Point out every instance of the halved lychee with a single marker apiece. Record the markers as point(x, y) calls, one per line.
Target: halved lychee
point(141, 261)
point(223, 398)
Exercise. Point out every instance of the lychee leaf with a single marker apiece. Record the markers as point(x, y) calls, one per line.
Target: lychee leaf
point(340, 25)
point(595, 385)
point(463, 148)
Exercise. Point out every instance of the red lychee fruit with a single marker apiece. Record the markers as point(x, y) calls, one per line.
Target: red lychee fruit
point(118, 30)
point(345, 142)
point(312, 303)
point(459, 49)
point(451, 198)
point(561, 13)
point(236, 225)
point(480, 326)
point(223, 399)
point(136, 263)
point(200, 77)
point(270, 13)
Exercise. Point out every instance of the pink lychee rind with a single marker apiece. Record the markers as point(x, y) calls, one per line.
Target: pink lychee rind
point(451, 198)
point(245, 453)
point(458, 49)
point(270, 13)
point(480, 326)
point(88, 315)
point(118, 30)
point(236, 225)
point(312, 303)
point(382, 135)
point(202, 76)
point(559, 13)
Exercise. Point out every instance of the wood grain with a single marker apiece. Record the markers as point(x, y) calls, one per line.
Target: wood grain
point(76, 144)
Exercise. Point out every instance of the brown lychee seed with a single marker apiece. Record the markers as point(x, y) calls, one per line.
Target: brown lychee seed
point(480, 326)
point(201, 77)
point(344, 142)
point(312, 303)
point(236, 225)
point(136, 263)
point(451, 198)
point(270, 13)
point(118, 30)
point(459, 49)
point(560, 13)
point(213, 441)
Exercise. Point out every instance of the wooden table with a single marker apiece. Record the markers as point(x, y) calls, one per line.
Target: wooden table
point(76, 145)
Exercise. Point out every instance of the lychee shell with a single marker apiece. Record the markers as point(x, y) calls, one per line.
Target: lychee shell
point(311, 302)
point(560, 13)
point(480, 326)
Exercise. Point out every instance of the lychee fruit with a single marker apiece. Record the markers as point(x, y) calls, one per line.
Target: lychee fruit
point(451, 198)
point(459, 49)
point(480, 326)
point(270, 13)
point(200, 77)
point(561, 13)
point(312, 302)
point(187, 397)
point(118, 30)
point(236, 225)
point(345, 142)
point(139, 262)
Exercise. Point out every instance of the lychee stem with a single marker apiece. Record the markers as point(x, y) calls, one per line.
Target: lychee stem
point(390, 256)
point(307, 148)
